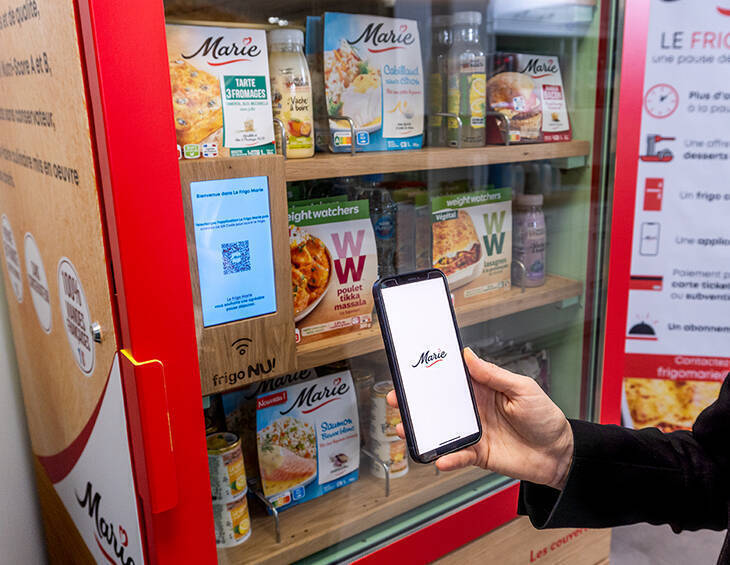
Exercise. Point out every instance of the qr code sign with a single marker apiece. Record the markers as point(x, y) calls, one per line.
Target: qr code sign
point(236, 257)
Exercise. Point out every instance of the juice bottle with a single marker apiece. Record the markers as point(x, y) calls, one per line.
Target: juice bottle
point(291, 90)
point(440, 45)
point(467, 82)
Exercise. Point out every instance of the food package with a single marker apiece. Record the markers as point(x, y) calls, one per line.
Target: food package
point(373, 74)
point(308, 439)
point(472, 241)
point(220, 91)
point(527, 89)
point(334, 264)
point(239, 409)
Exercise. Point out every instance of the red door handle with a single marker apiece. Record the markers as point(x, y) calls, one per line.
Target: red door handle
point(154, 458)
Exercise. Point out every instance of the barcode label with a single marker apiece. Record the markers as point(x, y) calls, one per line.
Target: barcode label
point(236, 257)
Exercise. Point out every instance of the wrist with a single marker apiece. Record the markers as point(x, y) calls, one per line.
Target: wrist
point(563, 458)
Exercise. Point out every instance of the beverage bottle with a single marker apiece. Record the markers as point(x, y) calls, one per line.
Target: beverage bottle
point(467, 82)
point(383, 212)
point(440, 45)
point(291, 91)
point(529, 241)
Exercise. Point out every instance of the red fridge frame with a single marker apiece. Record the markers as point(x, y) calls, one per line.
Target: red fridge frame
point(135, 142)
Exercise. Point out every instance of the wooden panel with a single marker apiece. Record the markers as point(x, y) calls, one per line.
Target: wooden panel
point(342, 513)
point(479, 309)
point(518, 543)
point(63, 541)
point(326, 165)
point(270, 351)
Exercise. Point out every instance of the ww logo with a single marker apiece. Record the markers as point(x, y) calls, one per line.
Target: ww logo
point(494, 240)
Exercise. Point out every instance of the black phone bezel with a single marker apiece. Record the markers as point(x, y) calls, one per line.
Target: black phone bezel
point(404, 279)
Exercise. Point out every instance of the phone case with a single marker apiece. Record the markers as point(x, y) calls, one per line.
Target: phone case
point(395, 371)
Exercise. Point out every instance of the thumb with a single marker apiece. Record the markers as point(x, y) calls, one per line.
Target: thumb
point(489, 374)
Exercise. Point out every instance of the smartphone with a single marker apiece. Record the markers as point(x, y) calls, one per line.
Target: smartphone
point(424, 351)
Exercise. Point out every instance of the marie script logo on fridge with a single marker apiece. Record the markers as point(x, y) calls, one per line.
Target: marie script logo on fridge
point(374, 35)
point(217, 49)
point(428, 359)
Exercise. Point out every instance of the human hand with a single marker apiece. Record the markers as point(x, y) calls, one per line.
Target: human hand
point(524, 434)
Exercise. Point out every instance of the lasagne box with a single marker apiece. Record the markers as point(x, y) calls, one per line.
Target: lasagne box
point(373, 74)
point(220, 91)
point(527, 89)
point(472, 241)
point(308, 439)
point(334, 264)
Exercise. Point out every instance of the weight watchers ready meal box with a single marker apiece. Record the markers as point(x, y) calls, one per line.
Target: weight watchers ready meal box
point(373, 74)
point(528, 89)
point(472, 241)
point(308, 439)
point(220, 91)
point(334, 264)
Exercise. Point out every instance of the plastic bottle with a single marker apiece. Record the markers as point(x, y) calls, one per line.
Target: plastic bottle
point(440, 46)
point(383, 211)
point(529, 241)
point(291, 90)
point(467, 82)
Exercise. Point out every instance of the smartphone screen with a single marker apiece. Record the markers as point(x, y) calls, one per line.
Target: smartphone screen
point(427, 352)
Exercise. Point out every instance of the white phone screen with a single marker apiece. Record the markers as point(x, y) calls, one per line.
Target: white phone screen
point(428, 356)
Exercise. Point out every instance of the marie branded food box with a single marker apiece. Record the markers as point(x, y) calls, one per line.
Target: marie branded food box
point(220, 91)
point(527, 89)
point(472, 241)
point(334, 264)
point(308, 439)
point(373, 74)
point(239, 410)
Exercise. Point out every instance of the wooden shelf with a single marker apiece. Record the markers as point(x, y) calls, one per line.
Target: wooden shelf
point(320, 523)
point(327, 165)
point(479, 309)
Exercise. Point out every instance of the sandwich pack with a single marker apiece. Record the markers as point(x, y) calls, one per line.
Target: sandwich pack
point(308, 439)
point(220, 91)
point(373, 74)
point(334, 264)
point(472, 241)
point(529, 91)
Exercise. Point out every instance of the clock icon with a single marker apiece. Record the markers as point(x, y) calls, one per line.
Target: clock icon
point(661, 100)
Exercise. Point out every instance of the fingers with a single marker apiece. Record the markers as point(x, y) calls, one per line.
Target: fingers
point(457, 460)
point(391, 399)
point(400, 431)
point(489, 374)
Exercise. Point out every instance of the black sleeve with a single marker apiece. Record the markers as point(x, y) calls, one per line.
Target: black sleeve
point(620, 476)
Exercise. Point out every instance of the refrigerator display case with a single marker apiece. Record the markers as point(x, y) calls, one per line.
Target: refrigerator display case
point(224, 268)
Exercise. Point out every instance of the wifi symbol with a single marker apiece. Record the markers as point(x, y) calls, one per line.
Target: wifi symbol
point(241, 345)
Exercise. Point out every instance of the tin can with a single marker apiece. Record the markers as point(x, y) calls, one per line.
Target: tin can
point(383, 417)
point(363, 387)
point(225, 463)
point(393, 452)
point(232, 522)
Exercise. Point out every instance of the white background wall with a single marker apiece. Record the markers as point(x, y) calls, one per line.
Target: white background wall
point(21, 533)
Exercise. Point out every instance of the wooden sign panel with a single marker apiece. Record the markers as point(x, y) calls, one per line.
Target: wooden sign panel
point(237, 230)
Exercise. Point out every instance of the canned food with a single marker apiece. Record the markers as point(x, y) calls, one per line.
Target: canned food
point(232, 522)
point(225, 463)
point(393, 452)
point(383, 417)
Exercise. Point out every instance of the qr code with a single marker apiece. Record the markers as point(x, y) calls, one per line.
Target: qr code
point(236, 257)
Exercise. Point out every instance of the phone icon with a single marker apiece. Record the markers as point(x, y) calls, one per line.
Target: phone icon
point(649, 239)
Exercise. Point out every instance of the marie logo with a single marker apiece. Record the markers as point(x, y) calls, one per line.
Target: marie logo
point(428, 359)
point(379, 41)
point(540, 69)
point(318, 395)
point(105, 535)
point(217, 49)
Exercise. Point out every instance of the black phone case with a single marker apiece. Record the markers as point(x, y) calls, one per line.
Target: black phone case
point(395, 371)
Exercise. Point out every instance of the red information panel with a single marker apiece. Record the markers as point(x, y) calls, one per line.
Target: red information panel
point(669, 283)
